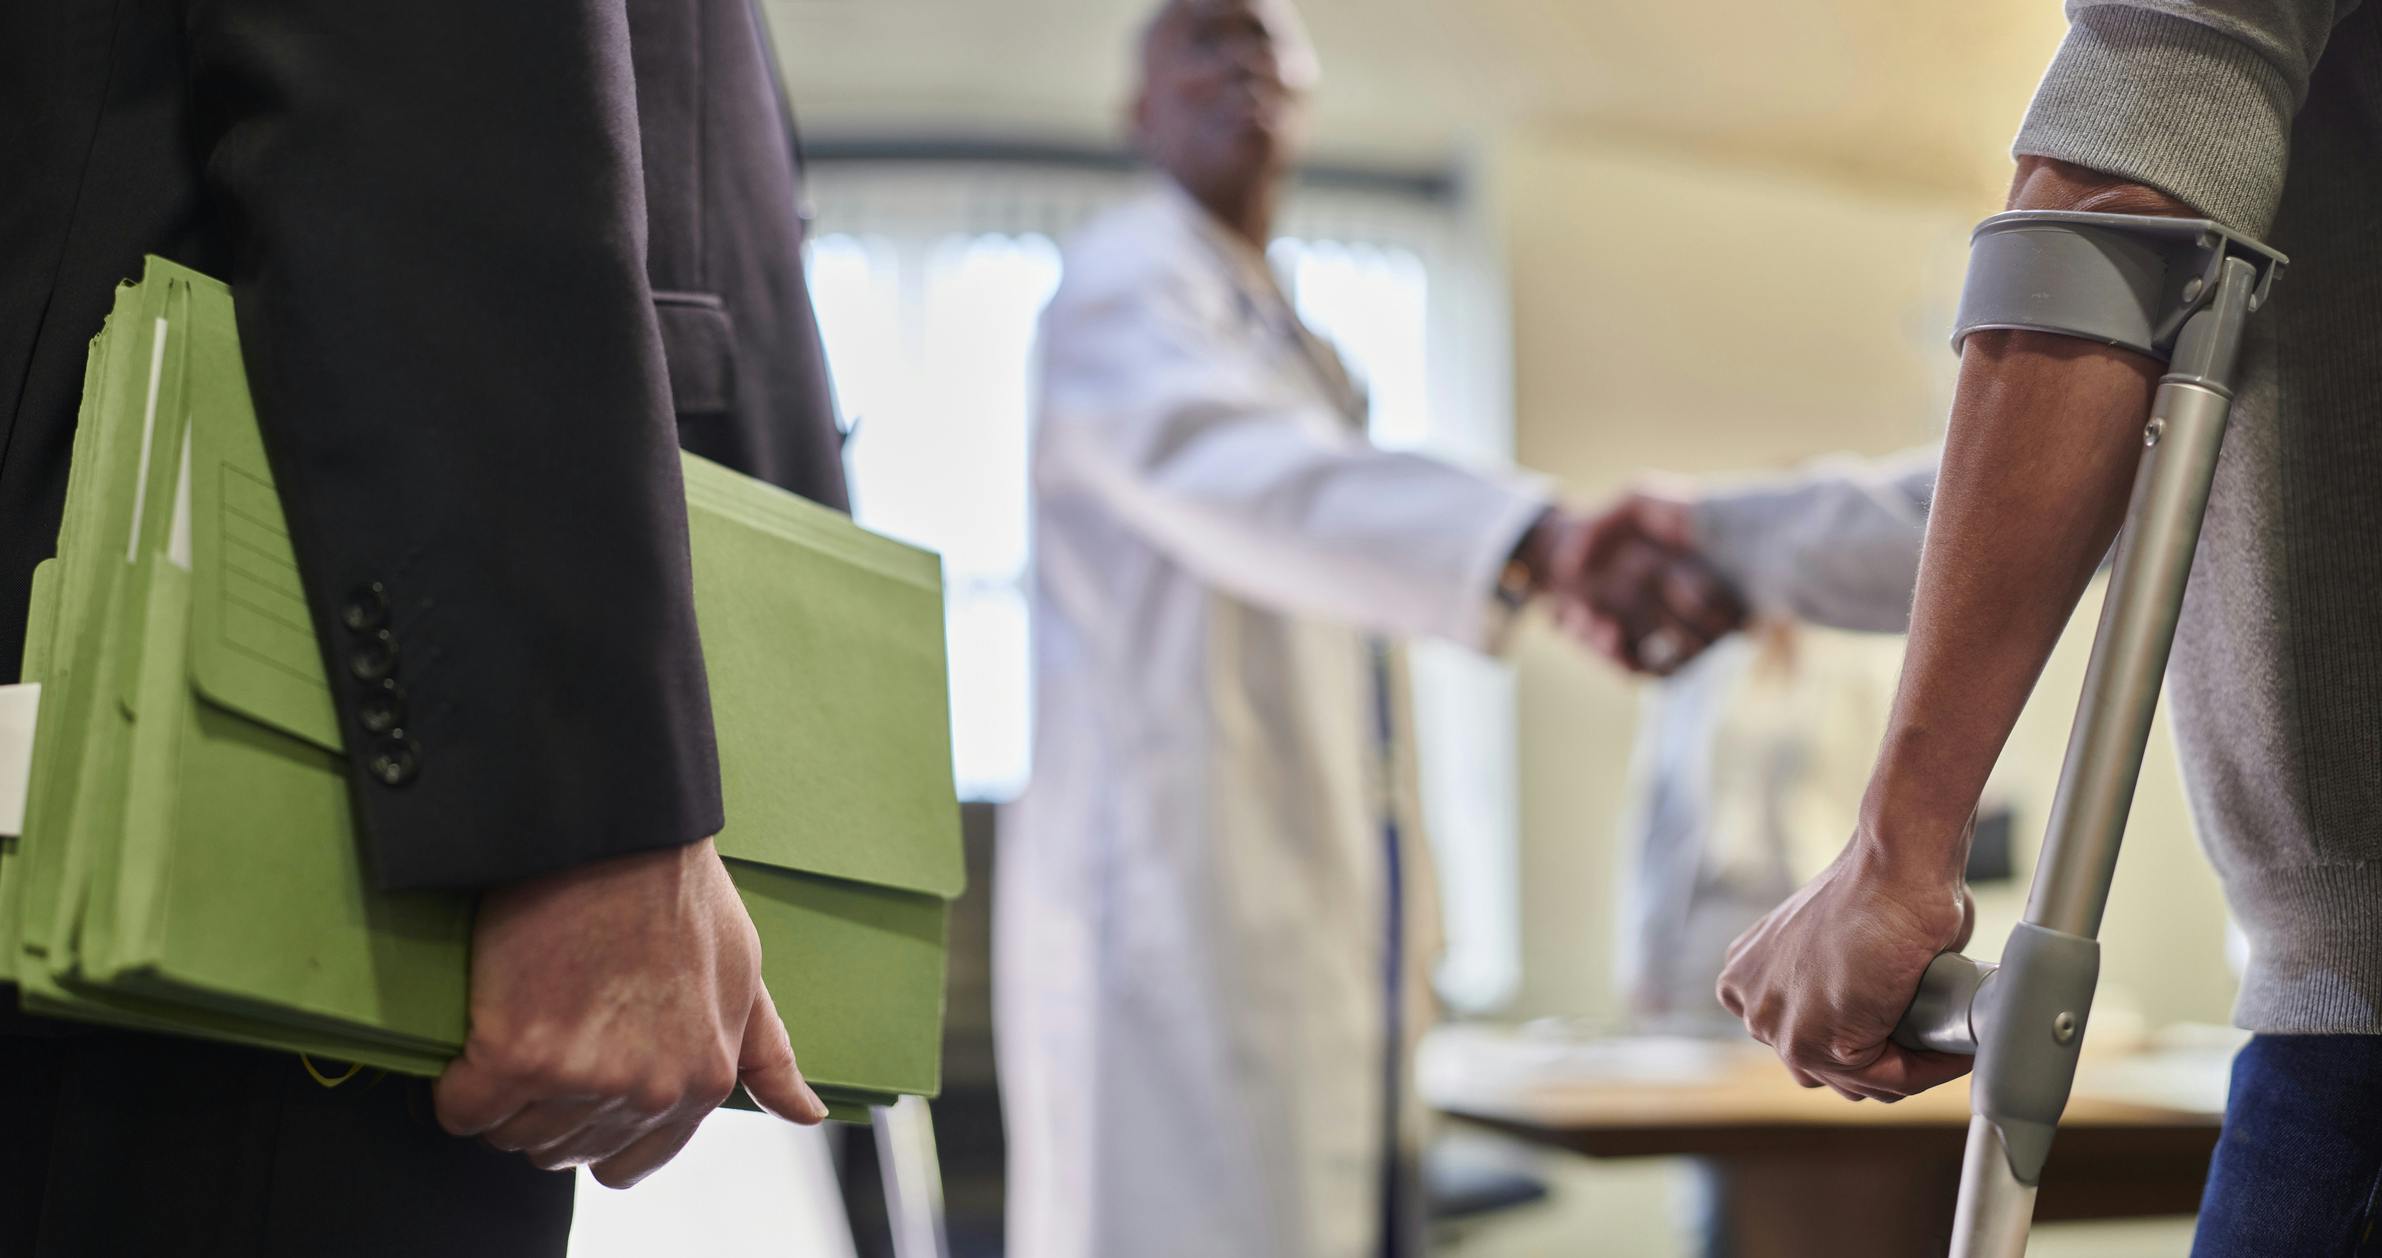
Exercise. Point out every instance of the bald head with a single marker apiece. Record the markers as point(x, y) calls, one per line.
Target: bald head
point(1221, 104)
point(1175, 21)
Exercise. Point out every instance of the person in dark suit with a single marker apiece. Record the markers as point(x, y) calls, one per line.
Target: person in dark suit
point(493, 263)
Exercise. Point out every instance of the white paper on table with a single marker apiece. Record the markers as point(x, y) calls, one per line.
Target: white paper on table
point(1470, 1061)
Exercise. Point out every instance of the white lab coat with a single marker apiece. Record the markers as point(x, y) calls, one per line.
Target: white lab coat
point(1191, 902)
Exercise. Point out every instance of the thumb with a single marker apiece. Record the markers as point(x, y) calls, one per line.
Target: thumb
point(470, 1099)
point(765, 1065)
point(1662, 510)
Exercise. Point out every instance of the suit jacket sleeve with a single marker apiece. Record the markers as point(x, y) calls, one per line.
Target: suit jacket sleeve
point(436, 230)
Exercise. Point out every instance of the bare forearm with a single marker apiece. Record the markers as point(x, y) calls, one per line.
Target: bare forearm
point(2038, 460)
point(2045, 435)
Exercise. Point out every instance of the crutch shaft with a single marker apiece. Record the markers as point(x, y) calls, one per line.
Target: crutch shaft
point(2129, 659)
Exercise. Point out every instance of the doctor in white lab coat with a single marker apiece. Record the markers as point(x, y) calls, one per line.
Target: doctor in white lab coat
point(1214, 914)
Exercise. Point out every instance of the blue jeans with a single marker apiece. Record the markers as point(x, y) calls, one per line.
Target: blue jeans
point(2299, 1165)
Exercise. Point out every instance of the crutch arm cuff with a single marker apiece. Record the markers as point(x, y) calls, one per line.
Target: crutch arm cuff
point(2129, 280)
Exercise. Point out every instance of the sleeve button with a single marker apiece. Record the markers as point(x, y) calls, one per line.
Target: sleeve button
point(394, 762)
point(382, 710)
point(374, 658)
point(366, 609)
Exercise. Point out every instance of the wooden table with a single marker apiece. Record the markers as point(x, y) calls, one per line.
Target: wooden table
point(1807, 1172)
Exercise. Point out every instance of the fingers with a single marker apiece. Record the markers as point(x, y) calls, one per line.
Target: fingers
point(544, 1125)
point(1897, 1072)
point(766, 1068)
point(1900, 1072)
point(470, 1099)
point(1586, 547)
point(1626, 585)
point(1698, 600)
point(559, 1117)
point(1621, 588)
point(588, 1144)
point(1701, 608)
point(1665, 516)
point(1824, 978)
point(644, 1156)
point(1670, 646)
point(582, 1129)
point(613, 1007)
point(1635, 602)
point(1665, 648)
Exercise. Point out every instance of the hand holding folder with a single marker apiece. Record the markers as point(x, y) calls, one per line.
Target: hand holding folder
point(614, 1006)
point(190, 862)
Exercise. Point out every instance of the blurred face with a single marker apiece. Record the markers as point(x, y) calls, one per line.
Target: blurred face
point(1223, 94)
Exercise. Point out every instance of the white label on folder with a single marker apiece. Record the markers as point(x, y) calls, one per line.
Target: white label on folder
point(140, 480)
point(17, 707)
point(177, 539)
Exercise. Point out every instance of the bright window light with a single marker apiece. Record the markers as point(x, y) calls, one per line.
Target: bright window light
point(931, 364)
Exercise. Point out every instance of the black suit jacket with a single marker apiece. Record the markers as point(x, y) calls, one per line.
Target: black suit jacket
point(494, 262)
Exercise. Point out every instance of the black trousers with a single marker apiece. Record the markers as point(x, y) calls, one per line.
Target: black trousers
point(121, 1144)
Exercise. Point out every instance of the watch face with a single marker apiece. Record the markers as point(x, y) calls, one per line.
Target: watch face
point(1513, 584)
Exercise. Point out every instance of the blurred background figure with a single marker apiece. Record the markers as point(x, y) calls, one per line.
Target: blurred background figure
point(1215, 916)
point(1743, 766)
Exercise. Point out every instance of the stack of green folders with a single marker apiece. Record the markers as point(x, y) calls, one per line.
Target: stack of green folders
point(189, 861)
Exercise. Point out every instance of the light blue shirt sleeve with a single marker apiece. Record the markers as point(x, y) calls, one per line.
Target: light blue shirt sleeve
point(1836, 544)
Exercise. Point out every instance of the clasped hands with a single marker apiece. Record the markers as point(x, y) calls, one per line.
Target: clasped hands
point(1629, 583)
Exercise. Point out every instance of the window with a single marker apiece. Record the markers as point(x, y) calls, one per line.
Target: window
point(931, 370)
point(928, 280)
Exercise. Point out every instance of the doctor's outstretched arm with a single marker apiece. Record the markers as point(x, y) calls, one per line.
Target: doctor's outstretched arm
point(1177, 426)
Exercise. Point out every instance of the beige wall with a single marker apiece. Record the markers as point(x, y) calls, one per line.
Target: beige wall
point(1710, 319)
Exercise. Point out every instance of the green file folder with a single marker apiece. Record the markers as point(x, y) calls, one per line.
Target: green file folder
point(190, 862)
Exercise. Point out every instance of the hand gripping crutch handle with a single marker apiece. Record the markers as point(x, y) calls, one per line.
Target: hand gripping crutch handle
point(1943, 1016)
point(2175, 289)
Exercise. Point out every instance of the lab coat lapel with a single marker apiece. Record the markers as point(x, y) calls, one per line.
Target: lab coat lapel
point(1263, 303)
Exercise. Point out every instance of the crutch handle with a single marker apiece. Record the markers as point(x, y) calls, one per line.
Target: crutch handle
point(1946, 1015)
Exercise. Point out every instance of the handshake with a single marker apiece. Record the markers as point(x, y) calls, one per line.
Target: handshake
point(1628, 581)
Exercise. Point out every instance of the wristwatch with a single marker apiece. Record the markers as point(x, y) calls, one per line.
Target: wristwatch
point(1519, 580)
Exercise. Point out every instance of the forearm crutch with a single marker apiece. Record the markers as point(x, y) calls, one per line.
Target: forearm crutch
point(2180, 290)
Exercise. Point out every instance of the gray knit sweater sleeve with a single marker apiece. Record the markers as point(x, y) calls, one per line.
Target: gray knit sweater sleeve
point(1836, 544)
point(2192, 97)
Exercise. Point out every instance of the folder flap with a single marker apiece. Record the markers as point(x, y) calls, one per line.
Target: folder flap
point(41, 620)
point(828, 688)
point(252, 642)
